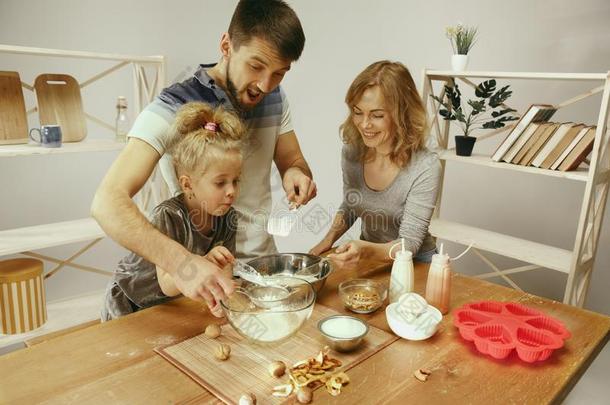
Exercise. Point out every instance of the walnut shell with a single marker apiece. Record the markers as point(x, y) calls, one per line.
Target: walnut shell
point(247, 399)
point(222, 352)
point(212, 331)
point(277, 368)
point(421, 374)
point(304, 395)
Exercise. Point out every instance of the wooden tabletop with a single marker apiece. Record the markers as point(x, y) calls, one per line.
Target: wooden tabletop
point(115, 362)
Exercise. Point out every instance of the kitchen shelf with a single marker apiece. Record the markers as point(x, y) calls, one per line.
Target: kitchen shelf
point(26, 240)
point(49, 235)
point(87, 145)
point(577, 262)
point(62, 314)
point(521, 249)
point(580, 174)
point(442, 74)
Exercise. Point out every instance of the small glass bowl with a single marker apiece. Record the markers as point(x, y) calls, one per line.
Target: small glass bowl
point(362, 296)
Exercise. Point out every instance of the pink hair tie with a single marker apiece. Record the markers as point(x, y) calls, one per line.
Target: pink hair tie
point(211, 126)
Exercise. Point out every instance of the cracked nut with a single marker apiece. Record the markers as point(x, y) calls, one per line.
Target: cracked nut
point(212, 331)
point(422, 374)
point(222, 352)
point(283, 390)
point(277, 368)
point(247, 399)
point(336, 382)
point(304, 395)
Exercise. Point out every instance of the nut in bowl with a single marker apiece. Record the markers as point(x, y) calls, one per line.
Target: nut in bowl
point(362, 296)
point(413, 318)
point(343, 333)
point(275, 322)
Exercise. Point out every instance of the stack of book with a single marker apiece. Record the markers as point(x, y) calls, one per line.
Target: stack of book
point(536, 142)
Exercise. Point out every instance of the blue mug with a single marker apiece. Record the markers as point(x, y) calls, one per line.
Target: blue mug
point(49, 136)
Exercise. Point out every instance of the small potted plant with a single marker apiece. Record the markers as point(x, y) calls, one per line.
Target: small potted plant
point(462, 40)
point(486, 111)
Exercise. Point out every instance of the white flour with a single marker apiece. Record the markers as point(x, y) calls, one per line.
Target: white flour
point(269, 326)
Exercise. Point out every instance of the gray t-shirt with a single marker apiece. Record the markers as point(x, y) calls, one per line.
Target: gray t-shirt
point(402, 210)
point(134, 284)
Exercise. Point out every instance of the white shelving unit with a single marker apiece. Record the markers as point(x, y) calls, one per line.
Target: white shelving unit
point(50, 235)
point(580, 174)
point(26, 240)
point(578, 262)
point(87, 145)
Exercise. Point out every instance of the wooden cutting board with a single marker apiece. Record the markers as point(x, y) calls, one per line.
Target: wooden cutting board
point(246, 369)
point(13, 118)
point(60, 103)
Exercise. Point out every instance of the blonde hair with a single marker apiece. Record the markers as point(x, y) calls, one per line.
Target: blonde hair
point(403, 102)
point(193, 147)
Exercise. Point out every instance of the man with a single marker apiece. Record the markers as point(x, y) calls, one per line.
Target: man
point(264, 38)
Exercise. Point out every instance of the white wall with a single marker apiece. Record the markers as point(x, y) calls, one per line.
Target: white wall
point(343, 36)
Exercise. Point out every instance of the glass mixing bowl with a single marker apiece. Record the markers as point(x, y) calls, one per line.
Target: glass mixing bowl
point(281, 316)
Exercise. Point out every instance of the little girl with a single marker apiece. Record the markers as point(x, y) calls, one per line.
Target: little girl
point(206, 151)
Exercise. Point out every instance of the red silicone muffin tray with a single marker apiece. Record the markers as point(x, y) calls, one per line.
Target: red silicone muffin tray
point(498, 328)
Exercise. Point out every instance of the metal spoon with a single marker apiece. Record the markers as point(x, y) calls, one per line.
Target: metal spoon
point(280, 225)
point(267, 293)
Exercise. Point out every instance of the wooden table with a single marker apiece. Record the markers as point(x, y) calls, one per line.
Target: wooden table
point(114, 362)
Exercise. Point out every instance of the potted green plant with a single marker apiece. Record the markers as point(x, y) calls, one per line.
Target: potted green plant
point(462, 40)
point(486, 111)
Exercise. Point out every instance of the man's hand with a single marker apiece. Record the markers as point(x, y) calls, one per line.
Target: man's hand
point(199, 279)
point(348, 255)
point(299, 187)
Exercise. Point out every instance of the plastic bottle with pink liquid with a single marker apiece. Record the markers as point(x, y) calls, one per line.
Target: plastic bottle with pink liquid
point(438, 286)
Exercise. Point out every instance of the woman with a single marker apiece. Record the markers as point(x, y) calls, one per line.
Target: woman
point(390, 179)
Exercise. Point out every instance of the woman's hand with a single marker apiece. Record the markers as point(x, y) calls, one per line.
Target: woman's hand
point(348, 255)
point(320, 248)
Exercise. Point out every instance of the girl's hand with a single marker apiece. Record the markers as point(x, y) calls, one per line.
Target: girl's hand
point(348, 255)
point(220, 256)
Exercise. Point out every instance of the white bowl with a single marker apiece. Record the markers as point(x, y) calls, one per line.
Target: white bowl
point(421, 328)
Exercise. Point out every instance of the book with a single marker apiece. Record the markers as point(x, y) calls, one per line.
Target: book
point(531, 141)
point(540, 142)
point(520, 142)
point(569, 148)
point(580, 151)
point(551, 143)
point(535, 113)
point(563, 143)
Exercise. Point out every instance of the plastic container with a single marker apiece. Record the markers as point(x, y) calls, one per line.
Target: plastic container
point(438, 285)
point(401, 278)
point(122, 124)
point(498, 328)
point(412, 318)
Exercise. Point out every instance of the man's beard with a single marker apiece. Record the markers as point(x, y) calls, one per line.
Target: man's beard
point(232, 93)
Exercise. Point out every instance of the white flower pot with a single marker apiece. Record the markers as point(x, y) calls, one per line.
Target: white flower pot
point(459, 62)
